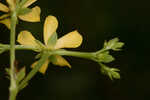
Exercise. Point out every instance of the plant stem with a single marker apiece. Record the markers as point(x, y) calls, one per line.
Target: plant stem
point(45, 57)
point(86, 55)
point(13, 87)
point(62, 52)
point(20, 47)
point(34, 71)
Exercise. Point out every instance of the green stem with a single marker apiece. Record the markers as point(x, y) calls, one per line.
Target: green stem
point(20, 47)
point(86, 55)
point(46, 55)
point(13, 87)
point(62, 52)
point(34, 71)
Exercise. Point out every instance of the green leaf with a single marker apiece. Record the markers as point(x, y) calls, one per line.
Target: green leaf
point(113, 44)
point(111, 72)
point(20, 75)
point(52, 40)
point(105, 57)
point(24, 11)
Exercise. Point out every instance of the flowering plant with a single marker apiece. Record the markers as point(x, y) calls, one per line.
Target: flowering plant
point(51, 50)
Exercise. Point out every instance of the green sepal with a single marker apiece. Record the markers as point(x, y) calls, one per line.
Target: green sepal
point(53, 59)
point(52, 40)
point(24, 11)
point(20, 75)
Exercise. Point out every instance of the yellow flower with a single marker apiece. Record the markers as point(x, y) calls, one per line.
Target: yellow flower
point(70, 40)
point(33, 16)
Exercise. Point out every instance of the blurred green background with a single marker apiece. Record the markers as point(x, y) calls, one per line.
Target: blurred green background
point(96, 20)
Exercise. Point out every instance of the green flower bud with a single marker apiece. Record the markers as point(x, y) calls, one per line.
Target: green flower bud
point(113, 44)
point(104, 57)
point(111, 72)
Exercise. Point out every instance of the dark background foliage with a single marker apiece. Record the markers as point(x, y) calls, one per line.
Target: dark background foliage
point(96, 20)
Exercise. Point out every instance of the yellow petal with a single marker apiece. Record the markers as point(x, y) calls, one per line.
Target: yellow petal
point(50, 27)
point(60, 61)
point(4, 16)
point(43, 67)
point(12, 4)
point(3, 8)
point(26, 38)
point(70, 40)
point(29, 2)
point(6, 22)
point(33, 16)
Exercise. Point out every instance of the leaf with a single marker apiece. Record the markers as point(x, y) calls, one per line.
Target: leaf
point(52, 40)
point(20, 75)
point(24, 11)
